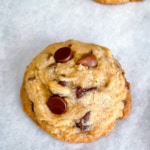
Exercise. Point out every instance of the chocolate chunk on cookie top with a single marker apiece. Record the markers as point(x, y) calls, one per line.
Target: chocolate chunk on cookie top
point(82, 91)
point(75, 91)
point(57, 104)
point(89, 60)
point(63, 54)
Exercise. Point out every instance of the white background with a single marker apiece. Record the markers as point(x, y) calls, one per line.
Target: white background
point(28, 26)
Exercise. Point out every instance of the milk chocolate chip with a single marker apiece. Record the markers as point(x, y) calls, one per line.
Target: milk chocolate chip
point(63, 54)
point(57, 104)
point(82, 91)
point(89, 60)
point(82, 123)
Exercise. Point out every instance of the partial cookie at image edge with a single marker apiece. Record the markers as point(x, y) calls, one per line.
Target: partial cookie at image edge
point(111, 2)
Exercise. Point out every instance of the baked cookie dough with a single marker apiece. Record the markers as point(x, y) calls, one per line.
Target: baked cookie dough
point(75, 91)
point(115, 1)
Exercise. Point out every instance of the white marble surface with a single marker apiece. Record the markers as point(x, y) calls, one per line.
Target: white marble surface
point(28, 26)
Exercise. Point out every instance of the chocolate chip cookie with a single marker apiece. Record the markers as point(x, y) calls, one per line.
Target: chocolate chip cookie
point(75, 91)
point(115, 1)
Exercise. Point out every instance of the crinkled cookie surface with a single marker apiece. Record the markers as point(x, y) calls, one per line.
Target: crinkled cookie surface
point(75, 91)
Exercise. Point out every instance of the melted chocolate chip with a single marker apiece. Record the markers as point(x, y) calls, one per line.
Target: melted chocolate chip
point(63, 83)
point(63, 54)
point(83, 120)
point(89, 60)
point(79, 92)
point(82, 91)
point(57, 104)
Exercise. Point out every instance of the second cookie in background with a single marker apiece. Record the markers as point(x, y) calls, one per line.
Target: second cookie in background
point(115, 1)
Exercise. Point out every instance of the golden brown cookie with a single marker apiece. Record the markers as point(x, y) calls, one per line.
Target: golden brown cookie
point(115, 1)
point(75, 91)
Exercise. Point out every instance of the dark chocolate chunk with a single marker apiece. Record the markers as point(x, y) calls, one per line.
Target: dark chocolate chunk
point(83, 121)
point(82, 91)
point(57, 104)
point(79, 92)
point(63, 54)
point(89, 60)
